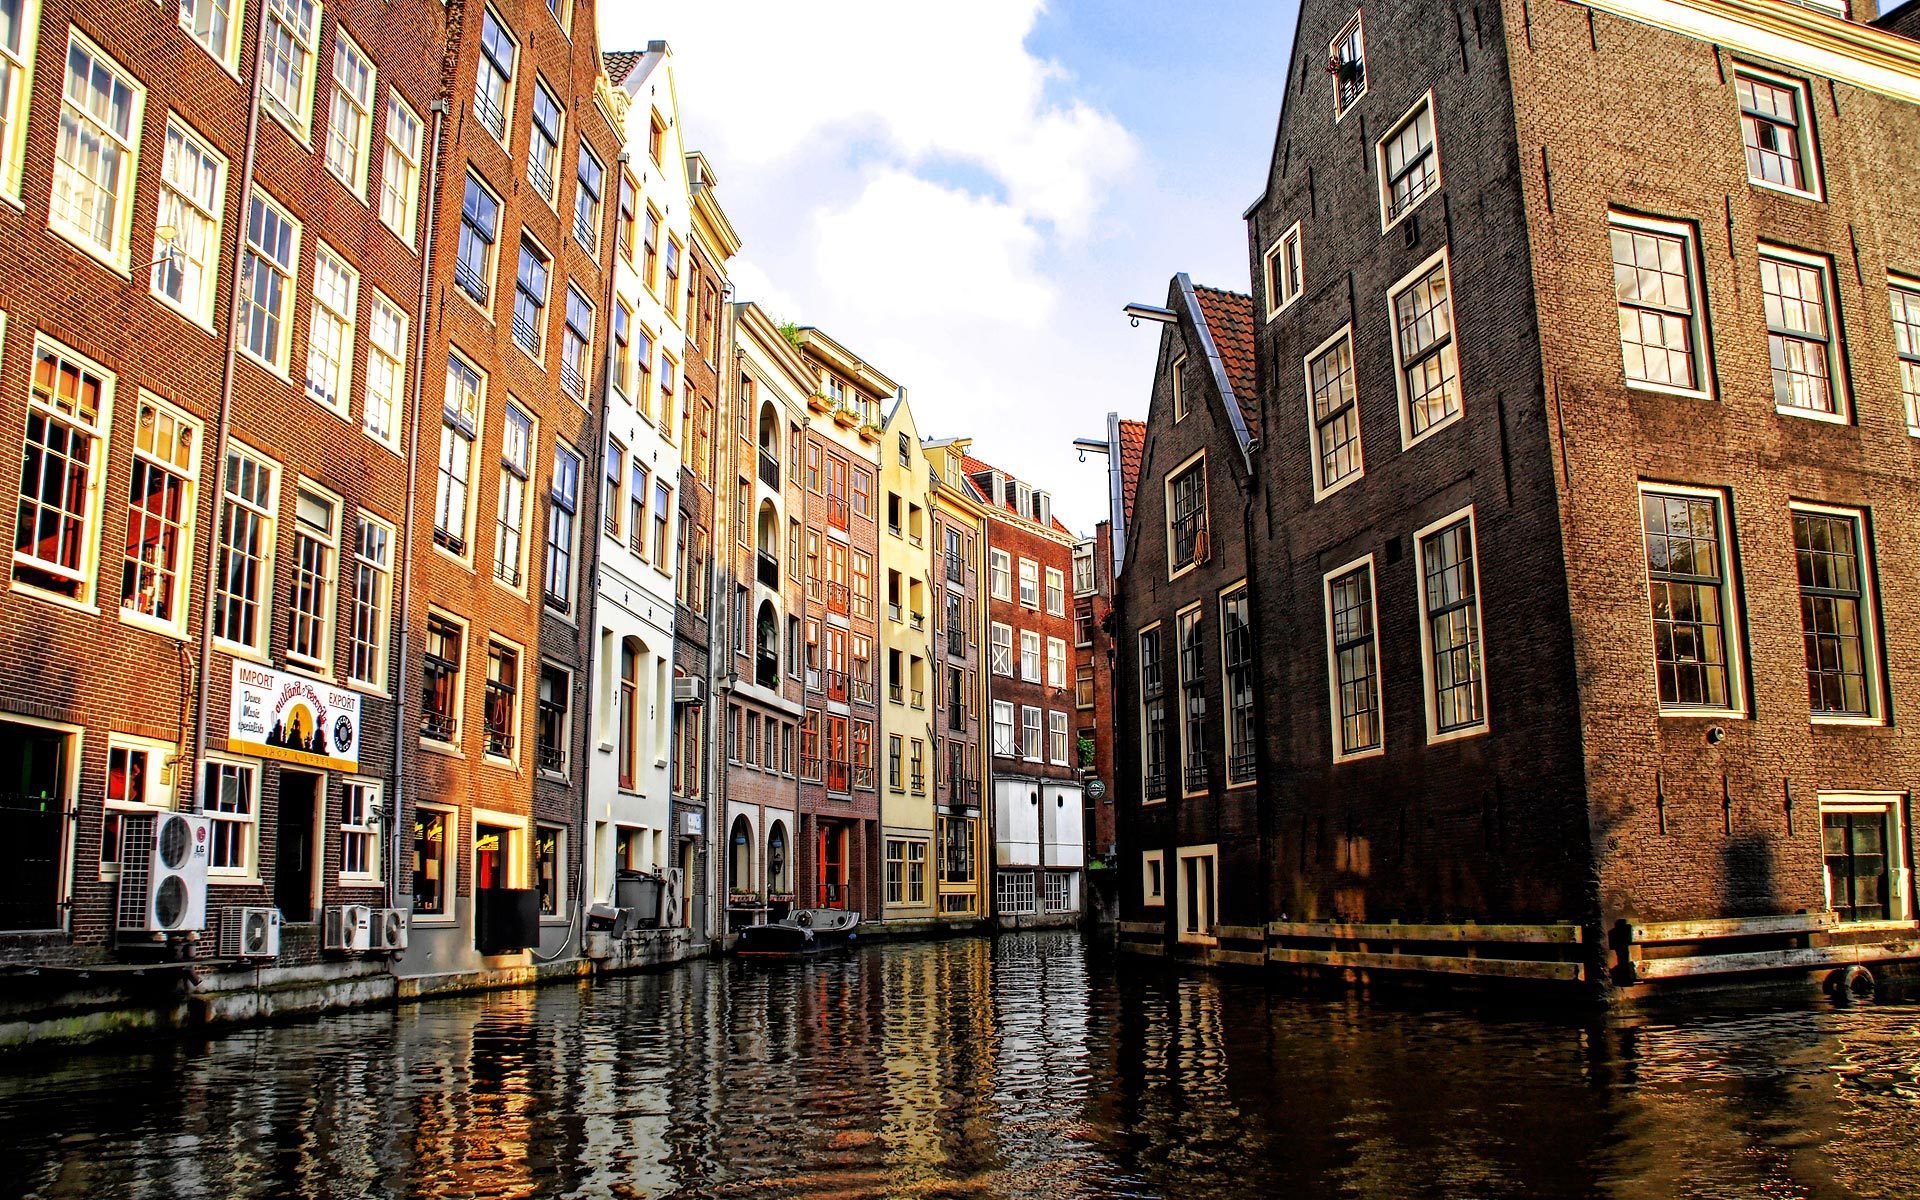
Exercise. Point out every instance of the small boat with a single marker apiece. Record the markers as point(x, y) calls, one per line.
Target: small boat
point(804, 931)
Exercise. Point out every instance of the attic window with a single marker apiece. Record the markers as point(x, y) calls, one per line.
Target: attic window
point(1347, 64)
point(1179, 388)
point(1283, 271)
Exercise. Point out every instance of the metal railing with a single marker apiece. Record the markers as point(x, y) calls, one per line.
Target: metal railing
point(539, 176)
point(1156, 786)
point(956, 640)
point(863, 778)
point(571, 380)
point(897, 693)
point(441, 727)
point(525, 334)
point(837, 775)
point(837, 511)
point(770, 470)
point(768, 569)
point(584, 232)
point(837, 686)
point(1188, 532)
point(469, 281)
point(551, 756)
point(1196, 773)
point(954, 572)
point(837, 595)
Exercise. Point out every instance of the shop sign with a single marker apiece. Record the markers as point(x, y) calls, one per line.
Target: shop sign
point(295, 718)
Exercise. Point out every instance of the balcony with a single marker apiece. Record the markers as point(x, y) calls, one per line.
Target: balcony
point(837, 686)
point(526, 334)
point(810, 767)
point(469, 281)
point(893, 611)
point(767, 570)
point(955, 574)
point(571, 381)
point(1241, 767)
point(862, 605)
point(897, 693)
point(769, 470)
point(488, 110)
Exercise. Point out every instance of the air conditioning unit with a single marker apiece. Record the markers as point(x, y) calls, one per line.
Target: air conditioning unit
point(249, 932)
point(347, 927)
point(163, 872)
point(689, 689)
point(388, 929)
point(693, 823)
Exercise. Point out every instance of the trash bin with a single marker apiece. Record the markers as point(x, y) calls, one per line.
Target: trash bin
point(640, 891)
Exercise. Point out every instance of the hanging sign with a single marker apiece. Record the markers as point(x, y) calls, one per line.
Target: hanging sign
point(294, 718)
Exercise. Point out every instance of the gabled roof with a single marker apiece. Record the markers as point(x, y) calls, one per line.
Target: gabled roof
point(971, 466)
point(620, 64)
point(1133, 448)
point(1230, 318)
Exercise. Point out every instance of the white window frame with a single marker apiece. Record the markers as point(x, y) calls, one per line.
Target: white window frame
point(178, 208)
point(249, 874)
point(511, 514)
point(183, 568)
point(1871, 652)
point(1238, 590)
point(1000, 575)
point(335, 289)
point(1175, 569)
point(1729, 605)
point(1358, 25)
point(1032, 729)
point(1183, 902)
point(373, 803)
point(486, 277)
point(385, 387)
point(326, 617)
point(1153, 885)
point(159, 795)
point(1000, 638)
point(300, 51)
point(1059, 751)
point(1284, 271)
point(269, 516)
point(1899, 873)
point(347, 154)
point(1696, 297)
point(1156, 628)
point(1479, 728)
point(1408, 438)
point(1029, 584)
point(86, 575)
point(1388, 218)
point(400, 168)
point(1056, 591)
point(537, 140)
point(510, 79)
point(449, 869)
point(1321, 488)
point(16, 90)
point(1807, 138)
point(227, 53)
point(452, 426)
point(1008, 747)
point(1836, 357)
point(115, 253)
point(1030, 655)
point(380, 604)
point(1083, 580)
point(257, 258)
point(1340, 754)
point(1056, 662)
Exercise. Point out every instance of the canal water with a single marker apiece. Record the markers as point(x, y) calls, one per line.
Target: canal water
point(1030, 1066)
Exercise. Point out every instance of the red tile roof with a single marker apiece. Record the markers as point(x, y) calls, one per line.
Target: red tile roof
point(1230, 319)
point(973, 466)
point(1133, 448)
point(620, 64)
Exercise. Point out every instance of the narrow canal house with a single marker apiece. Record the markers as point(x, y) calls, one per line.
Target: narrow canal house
point(907, 625)
point(1588, 428)
point(960, 688)
point(764, 694)
point(839, 796)
point(1096, 568)
point(1038, 846)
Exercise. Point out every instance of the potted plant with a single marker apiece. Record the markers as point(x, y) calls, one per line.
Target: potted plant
point(818, 402)
point(870, 431)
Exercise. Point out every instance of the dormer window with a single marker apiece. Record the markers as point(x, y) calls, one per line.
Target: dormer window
point(1347, 64)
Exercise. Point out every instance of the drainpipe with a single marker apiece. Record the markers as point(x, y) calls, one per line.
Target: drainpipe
point(223, 423)
point(727, 357)
point(431, 222)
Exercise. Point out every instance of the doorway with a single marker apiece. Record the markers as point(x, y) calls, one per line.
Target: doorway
point(833, 866)
point(490, 856)
point(296, 846)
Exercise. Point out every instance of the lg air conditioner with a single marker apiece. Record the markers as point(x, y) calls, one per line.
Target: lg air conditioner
point(163, 872)
point(348, 927)
point(689, 689)
point(249, 932)
point(388, 929)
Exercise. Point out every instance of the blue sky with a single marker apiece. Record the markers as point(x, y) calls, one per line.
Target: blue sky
point(966, 195)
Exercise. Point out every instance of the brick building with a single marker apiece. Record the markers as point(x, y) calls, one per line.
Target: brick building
point(1039, 848)
point(1095, 569)
point(1586, 431)
point(839, 797)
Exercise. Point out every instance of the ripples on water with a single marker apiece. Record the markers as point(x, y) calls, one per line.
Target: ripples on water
point(1025, 1067)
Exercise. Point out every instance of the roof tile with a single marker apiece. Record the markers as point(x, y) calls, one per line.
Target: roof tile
point(1230, 318)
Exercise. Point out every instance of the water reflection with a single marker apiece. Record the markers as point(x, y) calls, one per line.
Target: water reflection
point(1028, 1067)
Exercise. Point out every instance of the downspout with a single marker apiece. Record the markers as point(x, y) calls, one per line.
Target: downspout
point(431, 213)
point(222, 425)
point(726, 358)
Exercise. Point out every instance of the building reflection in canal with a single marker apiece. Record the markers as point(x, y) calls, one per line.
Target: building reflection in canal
point(1023, 1067)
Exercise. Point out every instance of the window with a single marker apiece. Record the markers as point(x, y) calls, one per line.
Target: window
point(440, 680)
point(247, 514)
point(530, 298)
point(135, 781)
point(670, 294)
point(359, 832)
point(1056, 592)
point(1905, 298)
point(1153, 883)
point(551, 725)
point(1083, 687)
point(1654, 277)
point(210, 22)
point(502, 706)
point(549, 865)
point(1774, 126)
point(1692, 615)
point(293, 26)
point(1797, 294)
point(1029, 583)
point(637, 483)
point(1836, 613)
point(610, 492)
point(1177, 380)
point(622, 348)
point(1193, 701)
point(316, 546)
point(516, 467)
point(1409, 164)
point(650, 251)
point(586, 210)
point(896, 760)
point(1000, 575)
point(1353, 660)
point(1862, 839)
point(1236, 664)
point(433, 846)
point(336, 292)
point(862, 492)
point(17, 21)
point(1282, 266)
point(1428, 372)
point(372, 599)
point(269, 266)
point(626, 714)
point(543, 143)
point(1030, 734)
point(1082, 567)
point(1083, 625)
point(1002, 728)
point(193, 189)
point(479, 229)
point(1030, 656)
point(1187, 516)
point(1153, 717)
point(99, 144)
point(575, 345)
point(656, 139)
point(625, 216)
point(459, 427)
point(1333, 414)
point(161, 503)
point(916, 872)
point(1002, 660)
point(667, 372)
point(563, 497)
point(896, 864)
point(1013, 892)
point(400, 169)
point(1057, 738)
point(232, 792)
point(1196, 902)
point(1347, 63)
point(386, 371)
point(493, 80)
point(662, 522)
point(350, 123)
point(1056, 662)
point(1450, 627)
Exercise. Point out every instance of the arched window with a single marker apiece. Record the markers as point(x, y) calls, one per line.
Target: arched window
point(779, 869)
point(628, 713)
point(766, 665)
point(740, 856)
